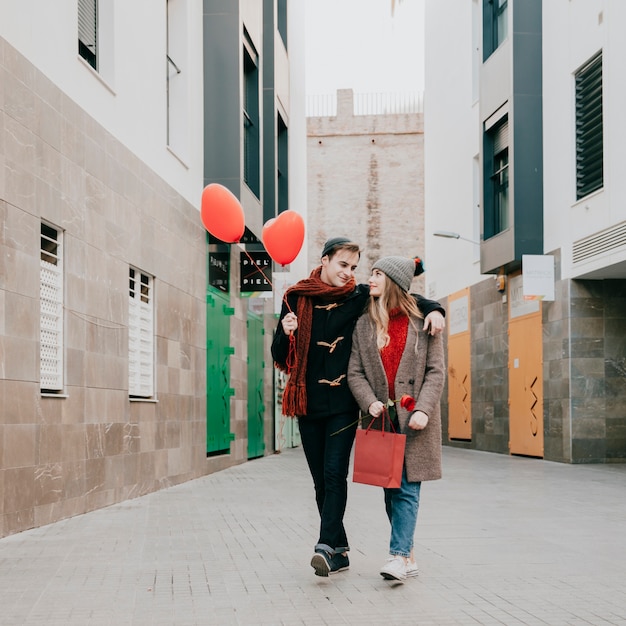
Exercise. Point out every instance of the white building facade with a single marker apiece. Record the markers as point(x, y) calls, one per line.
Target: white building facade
point(522, 155)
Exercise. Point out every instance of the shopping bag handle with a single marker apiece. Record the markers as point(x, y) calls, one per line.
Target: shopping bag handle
point(385, 413)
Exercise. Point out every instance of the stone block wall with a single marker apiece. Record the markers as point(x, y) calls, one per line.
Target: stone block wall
point(584, 371)
point(91, 446)
point(490, 376)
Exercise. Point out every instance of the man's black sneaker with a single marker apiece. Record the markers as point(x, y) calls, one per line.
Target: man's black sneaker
point(321, 562)
point(338, 563)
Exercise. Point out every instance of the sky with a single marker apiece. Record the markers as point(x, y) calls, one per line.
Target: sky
point(358, 45)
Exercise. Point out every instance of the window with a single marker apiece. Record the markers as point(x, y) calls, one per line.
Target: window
point(51, 362)
point(495, 25)
point(88, 31)
point(283, 165)
point(476, 33)
point(177, 87)
point(589, 133)
point(251, 124)
point(140, 335)
point(496, 215)
point(282, 20)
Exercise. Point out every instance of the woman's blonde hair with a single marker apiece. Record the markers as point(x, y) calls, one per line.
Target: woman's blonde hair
point(392, 297)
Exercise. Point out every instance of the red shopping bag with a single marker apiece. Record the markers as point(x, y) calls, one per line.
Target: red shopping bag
point(378, 456)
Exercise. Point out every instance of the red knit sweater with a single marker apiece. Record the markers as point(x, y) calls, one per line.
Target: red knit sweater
point(392, 353)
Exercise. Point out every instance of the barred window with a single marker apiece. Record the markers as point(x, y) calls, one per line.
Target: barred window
point(140, 335)
point(51, 319)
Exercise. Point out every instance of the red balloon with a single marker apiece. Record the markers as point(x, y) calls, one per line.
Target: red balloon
point(283, 236)
point(222, 214)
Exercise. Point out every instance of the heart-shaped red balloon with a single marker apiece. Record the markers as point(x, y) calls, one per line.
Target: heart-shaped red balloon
point(283, 236)
point(222, 214)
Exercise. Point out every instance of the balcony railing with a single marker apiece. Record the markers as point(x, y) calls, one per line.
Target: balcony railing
point(325, 105)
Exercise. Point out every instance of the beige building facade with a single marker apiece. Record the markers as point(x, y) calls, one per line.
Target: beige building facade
point(86, 443)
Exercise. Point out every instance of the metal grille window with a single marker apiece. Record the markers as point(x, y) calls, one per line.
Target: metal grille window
point(51, 362)
point(283, 165)
point(589, 132)
point(88, 31)
point(140, 335)
point(251, 123)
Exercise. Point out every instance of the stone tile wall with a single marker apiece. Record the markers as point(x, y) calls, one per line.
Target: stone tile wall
point(91, 447)
point(584, 370)
point(490, 375)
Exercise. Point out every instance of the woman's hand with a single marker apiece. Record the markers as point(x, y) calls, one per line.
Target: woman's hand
point(418, 420)
point(376, 408)
point(290, 323)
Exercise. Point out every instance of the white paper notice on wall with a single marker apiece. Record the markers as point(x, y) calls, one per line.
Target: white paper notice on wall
point(538, 276)
point(459, 315)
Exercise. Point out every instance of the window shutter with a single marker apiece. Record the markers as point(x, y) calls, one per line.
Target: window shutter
point(589, 131)
point(87, 23)
point(88, 31)
point(501, 138)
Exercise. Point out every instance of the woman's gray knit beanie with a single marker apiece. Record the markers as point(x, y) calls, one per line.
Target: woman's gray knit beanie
point(400, 269)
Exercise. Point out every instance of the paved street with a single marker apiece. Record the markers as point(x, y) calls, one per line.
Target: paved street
point(500, 540)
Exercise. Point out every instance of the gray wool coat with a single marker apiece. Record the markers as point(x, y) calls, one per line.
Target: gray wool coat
point(420, 374)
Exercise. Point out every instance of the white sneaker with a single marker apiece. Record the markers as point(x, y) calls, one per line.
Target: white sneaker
point(394, 569)
point(411, 569)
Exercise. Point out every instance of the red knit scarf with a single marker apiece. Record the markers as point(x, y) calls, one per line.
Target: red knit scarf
point(294, 396)
point(392, 353)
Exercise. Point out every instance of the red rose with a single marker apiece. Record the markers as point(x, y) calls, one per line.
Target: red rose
point(407, 402)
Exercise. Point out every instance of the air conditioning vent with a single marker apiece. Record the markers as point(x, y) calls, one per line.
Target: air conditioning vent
point(599, 243)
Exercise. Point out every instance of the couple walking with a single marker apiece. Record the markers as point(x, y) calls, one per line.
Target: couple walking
point(349, 346)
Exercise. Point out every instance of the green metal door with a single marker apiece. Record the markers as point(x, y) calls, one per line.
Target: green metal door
point(256, 406)
point(218, 391)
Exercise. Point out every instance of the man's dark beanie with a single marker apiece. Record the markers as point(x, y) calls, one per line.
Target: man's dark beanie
point(333, 242)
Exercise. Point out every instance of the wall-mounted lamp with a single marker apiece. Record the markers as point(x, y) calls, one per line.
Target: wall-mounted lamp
point(446, 234)
point(501, 281)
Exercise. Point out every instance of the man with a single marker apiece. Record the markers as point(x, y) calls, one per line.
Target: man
point(312, 344)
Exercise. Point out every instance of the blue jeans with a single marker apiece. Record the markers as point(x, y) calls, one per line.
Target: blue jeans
point(327, 444)
point(402, 505)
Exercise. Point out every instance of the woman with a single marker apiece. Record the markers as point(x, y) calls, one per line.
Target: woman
point(391, 357)
point(312, 343)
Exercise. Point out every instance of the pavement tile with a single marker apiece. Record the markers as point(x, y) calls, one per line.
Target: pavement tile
point(500, 540)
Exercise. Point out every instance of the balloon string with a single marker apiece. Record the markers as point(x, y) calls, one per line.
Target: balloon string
point(266, 278)
point(292, 359)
